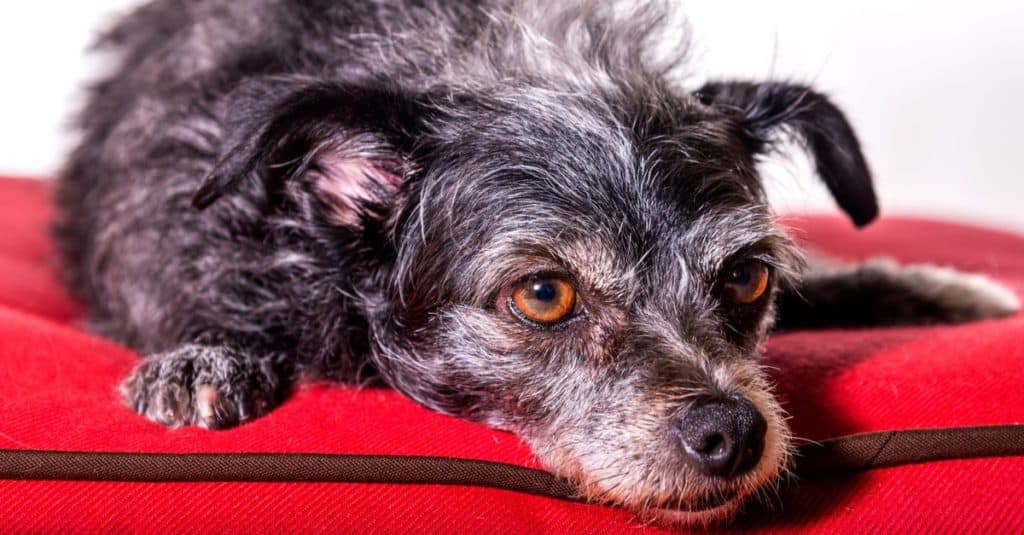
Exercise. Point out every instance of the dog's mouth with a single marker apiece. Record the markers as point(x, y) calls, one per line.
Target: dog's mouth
point(703, 503)
point(706, 509)
point(697, 504)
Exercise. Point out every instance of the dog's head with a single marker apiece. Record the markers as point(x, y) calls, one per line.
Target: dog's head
point(592, 270)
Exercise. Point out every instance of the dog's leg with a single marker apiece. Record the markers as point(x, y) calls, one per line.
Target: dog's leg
point(882, 292)
point(209, 386)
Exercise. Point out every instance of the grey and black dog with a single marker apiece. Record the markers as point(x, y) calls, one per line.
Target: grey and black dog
point(510, 211)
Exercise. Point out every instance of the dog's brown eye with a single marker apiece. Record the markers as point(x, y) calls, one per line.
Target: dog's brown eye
point(747, 281)
point(543, 300)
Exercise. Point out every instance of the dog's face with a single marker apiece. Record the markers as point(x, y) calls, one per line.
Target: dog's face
point(592, 272)
point(601, 290)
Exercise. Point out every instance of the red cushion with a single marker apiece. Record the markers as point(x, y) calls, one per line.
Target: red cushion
point(57, 392)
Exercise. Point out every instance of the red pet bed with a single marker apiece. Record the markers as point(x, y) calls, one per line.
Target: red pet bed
point(58, 394)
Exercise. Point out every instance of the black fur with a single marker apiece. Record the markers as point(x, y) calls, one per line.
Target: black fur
point(766, 107)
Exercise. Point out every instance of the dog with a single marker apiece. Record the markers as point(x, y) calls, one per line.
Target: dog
point(512, 212)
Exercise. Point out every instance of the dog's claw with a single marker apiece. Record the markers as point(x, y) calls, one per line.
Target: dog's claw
point(206, 399)
point(244, 407)
point(140, 405)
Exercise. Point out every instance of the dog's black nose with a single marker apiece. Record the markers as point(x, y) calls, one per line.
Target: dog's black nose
point(723, 437)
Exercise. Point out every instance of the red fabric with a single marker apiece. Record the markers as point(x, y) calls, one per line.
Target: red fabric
point(57, 392)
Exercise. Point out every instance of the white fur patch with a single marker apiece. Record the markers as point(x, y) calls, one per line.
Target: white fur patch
point(958, 289)
point(987, 294)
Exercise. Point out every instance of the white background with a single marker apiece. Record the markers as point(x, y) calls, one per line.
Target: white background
point(934, 89)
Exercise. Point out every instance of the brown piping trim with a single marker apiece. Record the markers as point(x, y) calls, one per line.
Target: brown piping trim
point(278, 467)
point(830, 458)
point(865, 451)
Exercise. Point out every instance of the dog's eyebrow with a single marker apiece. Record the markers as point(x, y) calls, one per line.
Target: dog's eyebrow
point(766, 250)
point(589, 259)
point(716, 238)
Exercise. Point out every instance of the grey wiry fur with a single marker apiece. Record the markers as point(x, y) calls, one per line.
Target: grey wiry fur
point(269, 190)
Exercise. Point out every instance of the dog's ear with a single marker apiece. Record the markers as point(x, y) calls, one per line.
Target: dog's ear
point(340, 151)
point(762, 110)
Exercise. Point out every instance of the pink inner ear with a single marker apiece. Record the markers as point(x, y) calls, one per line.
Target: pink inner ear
point(346, 182)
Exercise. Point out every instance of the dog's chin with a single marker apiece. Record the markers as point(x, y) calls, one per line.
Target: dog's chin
point(700, 511)
point(715, 504)
point(705, 518)
point(707, 505)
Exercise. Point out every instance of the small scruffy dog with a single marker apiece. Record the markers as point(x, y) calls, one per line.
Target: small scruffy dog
point(507, 210)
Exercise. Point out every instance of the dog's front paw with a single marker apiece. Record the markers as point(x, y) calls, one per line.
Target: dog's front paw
point(209, 386)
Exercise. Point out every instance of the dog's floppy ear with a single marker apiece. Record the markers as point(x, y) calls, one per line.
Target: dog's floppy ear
point(763, 109)
point(345, 145)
